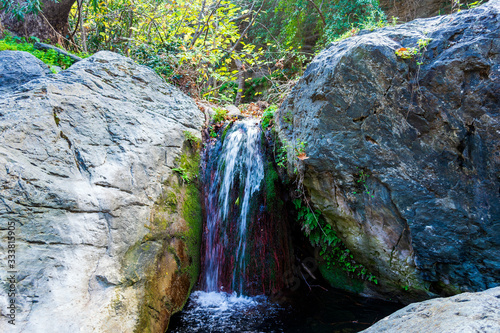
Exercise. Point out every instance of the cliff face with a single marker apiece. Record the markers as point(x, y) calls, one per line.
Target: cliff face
point(404, 150)
point(104, 232)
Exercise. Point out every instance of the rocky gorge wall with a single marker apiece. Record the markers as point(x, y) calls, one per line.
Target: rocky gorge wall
point(105, 233)
point(404, 151)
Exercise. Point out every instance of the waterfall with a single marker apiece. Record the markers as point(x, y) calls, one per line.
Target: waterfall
point(245, 246)
point(246, 254)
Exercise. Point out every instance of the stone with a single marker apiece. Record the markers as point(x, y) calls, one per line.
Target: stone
point(467, 313)
point(87, 186)
point(232, 111)
point(404, 154)
point(17, 68)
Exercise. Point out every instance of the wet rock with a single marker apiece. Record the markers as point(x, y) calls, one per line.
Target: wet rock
point(86, 179)
point(467, 312)
point(404, 154)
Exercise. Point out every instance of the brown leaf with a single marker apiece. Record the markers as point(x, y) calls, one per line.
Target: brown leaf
point(302, 156)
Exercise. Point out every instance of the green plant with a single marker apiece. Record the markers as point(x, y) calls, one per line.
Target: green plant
point(362, 177)
point(412, 52)
point(300, 149)
point(19, 10)
point(268, 116)
point(191, 137)
point(213, 133)
point(49, 57)
point(281, 154)
point(332, 250)
point(220, 115)
point(474, 4)
point(185, 175)
point(288, 117)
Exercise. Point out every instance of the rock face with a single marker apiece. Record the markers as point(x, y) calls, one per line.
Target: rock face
point(104, 231)
point(467, 312)
point(404, 154)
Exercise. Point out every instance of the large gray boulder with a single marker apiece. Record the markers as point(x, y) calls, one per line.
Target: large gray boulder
point(404, 154)
point(465, 313)
point(97, 214)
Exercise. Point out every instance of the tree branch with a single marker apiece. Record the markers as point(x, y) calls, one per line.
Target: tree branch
point(319, 11)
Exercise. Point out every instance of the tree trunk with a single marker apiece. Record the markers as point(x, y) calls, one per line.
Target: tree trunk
point(241, 81)
point(50, 24)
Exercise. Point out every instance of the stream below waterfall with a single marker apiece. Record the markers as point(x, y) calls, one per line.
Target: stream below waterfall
point(314, 311)
point(246, 250)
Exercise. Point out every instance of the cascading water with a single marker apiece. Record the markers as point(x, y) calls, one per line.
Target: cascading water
point(245, 246)
point(240, 161)
point(245, 251)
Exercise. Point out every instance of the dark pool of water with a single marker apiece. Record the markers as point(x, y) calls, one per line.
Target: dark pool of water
point(314, 311)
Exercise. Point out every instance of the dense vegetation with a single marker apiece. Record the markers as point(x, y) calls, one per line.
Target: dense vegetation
point(227, 51)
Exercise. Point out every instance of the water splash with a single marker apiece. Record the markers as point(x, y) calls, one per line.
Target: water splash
point(222, 312)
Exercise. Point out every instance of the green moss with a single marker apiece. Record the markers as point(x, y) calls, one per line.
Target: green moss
point(189, 163)
point(271, 177)
point(191, 212)
point(160, 223)
point(142, 251)
point(224, 133)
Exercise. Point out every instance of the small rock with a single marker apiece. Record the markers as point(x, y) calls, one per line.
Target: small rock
point(232, 111)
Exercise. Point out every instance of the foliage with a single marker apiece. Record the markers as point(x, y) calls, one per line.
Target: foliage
point(192, 138)
point(362, 177)
point(191, 43)
point(50, 57)
point(281, 154)
point(411, 52)
point(299, 23)
point(220, 115)
point(19, 10)
point(212, 131)
point(457, 5)
point(186, 177)
point(344, 15)
point(332, 250)
point(268, 116)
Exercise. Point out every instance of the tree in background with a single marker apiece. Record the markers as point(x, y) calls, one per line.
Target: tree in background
point(228, 51)
point(44, 19)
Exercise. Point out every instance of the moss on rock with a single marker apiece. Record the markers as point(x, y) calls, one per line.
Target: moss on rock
point(174, 239)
